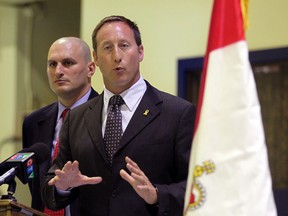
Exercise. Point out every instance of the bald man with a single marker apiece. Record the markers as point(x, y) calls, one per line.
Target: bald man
point(69, 70)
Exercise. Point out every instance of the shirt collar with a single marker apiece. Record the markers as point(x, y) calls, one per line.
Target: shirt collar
point(131, 96)
point(82, 100)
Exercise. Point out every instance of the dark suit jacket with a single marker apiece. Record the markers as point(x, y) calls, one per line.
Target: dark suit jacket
point(39, 126)
point(158, 142)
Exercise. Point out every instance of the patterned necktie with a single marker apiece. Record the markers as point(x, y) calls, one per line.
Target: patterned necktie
point(60, 212)
point(113, 131)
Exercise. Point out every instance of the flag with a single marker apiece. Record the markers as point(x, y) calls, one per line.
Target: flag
point(229, 172)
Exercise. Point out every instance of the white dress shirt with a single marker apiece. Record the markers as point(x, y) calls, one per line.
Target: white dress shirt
point(131, 97)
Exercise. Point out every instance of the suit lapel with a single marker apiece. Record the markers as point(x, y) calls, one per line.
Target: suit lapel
point(146, 112)
point(93, 119)
point(47, 123)
point(93, 94)
point(50, 114)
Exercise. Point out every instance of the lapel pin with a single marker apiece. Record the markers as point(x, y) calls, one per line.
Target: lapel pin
point(146, 112)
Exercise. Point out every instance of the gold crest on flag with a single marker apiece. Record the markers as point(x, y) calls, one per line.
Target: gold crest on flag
point(198, 193)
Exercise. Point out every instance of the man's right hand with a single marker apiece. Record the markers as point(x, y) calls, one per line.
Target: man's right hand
point(70, 176)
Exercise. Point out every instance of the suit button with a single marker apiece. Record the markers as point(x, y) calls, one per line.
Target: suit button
point(114, 193)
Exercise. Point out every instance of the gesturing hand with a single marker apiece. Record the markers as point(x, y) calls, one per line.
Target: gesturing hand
point(70, 176)
point(139, 181)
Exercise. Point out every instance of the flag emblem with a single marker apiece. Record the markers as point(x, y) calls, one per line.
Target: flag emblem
point(198, 193)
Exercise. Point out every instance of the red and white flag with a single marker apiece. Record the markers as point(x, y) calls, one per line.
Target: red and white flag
point(229, 171)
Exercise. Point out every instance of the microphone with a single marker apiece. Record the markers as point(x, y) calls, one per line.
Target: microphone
point(23, 163)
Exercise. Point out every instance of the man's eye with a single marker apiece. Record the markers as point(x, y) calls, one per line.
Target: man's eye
point(124, 45)
point(107, 47)
point(67, 63)
point(52, 64)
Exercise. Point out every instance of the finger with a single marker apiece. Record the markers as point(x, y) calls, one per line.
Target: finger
point(130, 164)
point(53, 181)
point(141, 179)
point(59, 173)
point(92, 180)
point(67, 166)
point(75, 165)
point(135, 170)
point(126, 176)
point(143, 187)
point(130, 161)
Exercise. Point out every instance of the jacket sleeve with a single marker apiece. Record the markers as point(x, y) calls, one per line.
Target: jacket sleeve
point(50, 197)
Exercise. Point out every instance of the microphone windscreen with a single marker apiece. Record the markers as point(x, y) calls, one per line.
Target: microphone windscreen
point(41, 150)
point(25, 161)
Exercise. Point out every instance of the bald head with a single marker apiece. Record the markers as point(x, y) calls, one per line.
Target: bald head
point(72, 43)
point(70, 69)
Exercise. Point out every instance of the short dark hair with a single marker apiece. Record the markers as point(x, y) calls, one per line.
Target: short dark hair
point(116, 18)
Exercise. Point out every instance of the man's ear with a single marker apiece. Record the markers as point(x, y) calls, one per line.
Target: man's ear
point(95, 57)
point(91, 68)
point(141, 52)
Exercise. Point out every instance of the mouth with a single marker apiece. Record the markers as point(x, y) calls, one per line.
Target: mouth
point(59, 81)
point(118, 69)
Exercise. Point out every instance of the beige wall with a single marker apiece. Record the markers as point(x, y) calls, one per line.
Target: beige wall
point(179, 29)
point(8, 84)
point(170, 30)
point(268, 24)
point(26, 32)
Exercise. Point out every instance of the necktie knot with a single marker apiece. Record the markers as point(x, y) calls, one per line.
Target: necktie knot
point(63, 114)
point(116, 100)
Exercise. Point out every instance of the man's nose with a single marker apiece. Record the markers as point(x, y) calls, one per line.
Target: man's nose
point(59, 70)
point(117, 55)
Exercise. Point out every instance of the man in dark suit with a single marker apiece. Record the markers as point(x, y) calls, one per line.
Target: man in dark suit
point(149, 167)
point(69, 69)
